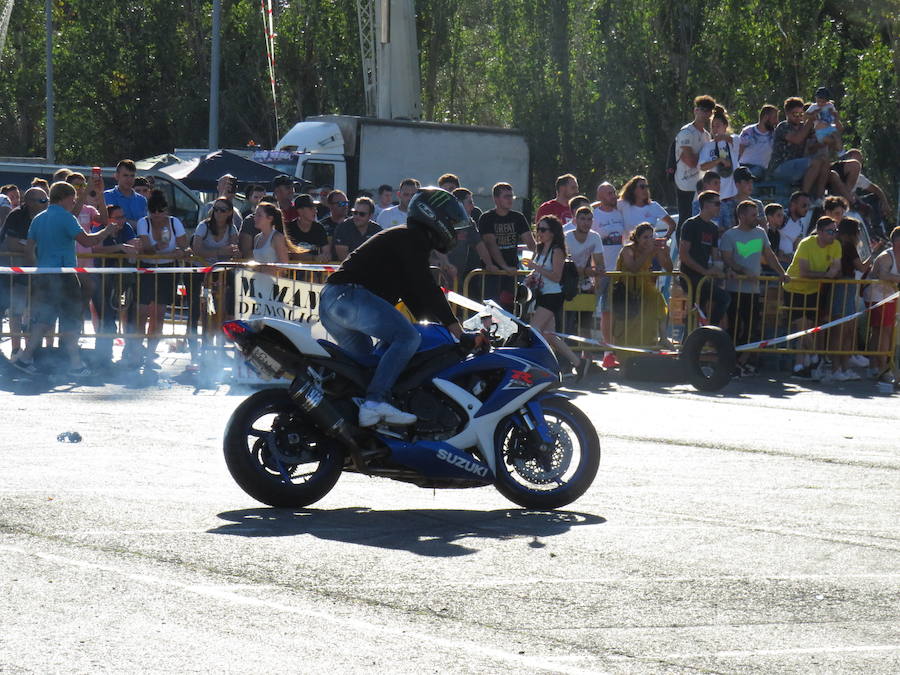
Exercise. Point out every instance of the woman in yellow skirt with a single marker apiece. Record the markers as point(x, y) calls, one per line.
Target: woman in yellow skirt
point(639, 309)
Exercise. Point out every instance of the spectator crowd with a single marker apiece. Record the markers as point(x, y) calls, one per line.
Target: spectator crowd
point(729, 247)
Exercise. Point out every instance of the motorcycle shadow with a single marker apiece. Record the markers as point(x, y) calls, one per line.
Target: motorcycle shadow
point(425, 532)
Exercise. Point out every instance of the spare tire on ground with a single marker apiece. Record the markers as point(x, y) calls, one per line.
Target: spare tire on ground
point(709, 358)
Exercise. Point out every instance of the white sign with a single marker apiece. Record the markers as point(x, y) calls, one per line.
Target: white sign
point(258, 295)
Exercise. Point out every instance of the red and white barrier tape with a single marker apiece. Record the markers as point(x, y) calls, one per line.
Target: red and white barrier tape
point(612, 347)
point(165, 270)
point(816, 329)
point(741, 348)
point(106, 270)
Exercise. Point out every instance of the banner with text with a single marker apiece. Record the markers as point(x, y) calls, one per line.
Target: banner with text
point(259, 295)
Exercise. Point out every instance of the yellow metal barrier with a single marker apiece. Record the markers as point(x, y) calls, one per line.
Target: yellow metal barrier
point(625, 309)
point(131, 306)
point(764, 315)
point(767, 314)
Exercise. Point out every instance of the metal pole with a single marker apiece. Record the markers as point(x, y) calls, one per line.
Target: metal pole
point(214, 77)
point(50, 122)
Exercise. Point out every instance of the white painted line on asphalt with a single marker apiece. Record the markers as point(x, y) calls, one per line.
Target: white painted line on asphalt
point(749, 653)
point(224, 594)
point(632, 579)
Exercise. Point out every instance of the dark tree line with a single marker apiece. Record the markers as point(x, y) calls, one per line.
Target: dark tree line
point(599, 87)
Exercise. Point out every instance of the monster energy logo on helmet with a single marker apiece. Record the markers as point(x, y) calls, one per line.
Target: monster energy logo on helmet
point(438, 213)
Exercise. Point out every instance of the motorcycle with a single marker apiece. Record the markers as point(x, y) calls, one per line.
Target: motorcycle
point(488, 414)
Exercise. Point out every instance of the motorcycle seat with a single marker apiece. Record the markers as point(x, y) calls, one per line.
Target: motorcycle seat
point(369, 361)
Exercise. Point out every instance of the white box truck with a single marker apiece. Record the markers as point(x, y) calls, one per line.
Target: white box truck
point(361, 153)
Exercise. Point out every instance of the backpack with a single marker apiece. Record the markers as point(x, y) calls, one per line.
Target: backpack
point(569, 280)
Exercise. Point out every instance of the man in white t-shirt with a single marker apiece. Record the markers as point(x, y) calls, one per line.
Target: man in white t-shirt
point(586, 248)
point(609, 223)
point(756, 142)
point(691, 137)
point(385, 199)
point(396, 215)
point(795, 222)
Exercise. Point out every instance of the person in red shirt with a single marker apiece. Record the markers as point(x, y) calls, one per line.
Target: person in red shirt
point(566, 188)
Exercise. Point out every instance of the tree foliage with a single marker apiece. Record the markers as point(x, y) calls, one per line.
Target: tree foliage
point(598, 87)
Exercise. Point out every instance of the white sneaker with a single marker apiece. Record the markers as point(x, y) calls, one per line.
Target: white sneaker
point(819, 373)
point(852, 375)
point(859, 361)
point(840, 375)
point(373, 412)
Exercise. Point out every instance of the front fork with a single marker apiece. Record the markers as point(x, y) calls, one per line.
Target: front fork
point(531, 417)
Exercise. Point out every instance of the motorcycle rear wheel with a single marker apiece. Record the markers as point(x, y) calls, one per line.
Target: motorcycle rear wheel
point(276, 455)
point(547, 480)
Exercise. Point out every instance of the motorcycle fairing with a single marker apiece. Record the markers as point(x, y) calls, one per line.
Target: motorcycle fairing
point(479, 432)
point(439, 460)
point(300, 335)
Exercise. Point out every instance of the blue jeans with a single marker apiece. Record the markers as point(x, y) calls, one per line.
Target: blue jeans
point(353, 315)
point(792, 170)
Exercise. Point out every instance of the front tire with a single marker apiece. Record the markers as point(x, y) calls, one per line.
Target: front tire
point(276, 455)
point(547, 478)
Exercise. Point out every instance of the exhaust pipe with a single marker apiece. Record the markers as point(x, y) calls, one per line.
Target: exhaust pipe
point(310, 398)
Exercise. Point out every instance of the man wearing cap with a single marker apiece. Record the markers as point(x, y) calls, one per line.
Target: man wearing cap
point(283, 191)
point(743, 182)
point(307, 233)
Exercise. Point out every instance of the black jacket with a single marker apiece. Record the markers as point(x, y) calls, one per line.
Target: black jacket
point(394, 266)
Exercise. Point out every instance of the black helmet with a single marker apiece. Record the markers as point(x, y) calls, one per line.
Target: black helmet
point(438, 213)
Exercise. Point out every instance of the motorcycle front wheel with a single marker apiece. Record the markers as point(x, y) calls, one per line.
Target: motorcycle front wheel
point(276, 455)
point(547, 476)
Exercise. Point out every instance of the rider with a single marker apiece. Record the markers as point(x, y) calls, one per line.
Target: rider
point(358, 300)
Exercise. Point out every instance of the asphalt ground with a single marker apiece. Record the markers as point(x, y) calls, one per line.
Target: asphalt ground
point(753, 530)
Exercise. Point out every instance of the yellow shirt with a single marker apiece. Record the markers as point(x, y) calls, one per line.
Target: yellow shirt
point(818, 259)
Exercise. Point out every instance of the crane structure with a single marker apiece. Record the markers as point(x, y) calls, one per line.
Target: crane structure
point(390, 58)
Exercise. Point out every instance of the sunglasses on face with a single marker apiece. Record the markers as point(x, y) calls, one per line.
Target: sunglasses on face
point(340, 203)
point(221, 209)
point(40, 200)
point(831, 231)
point(360, 213)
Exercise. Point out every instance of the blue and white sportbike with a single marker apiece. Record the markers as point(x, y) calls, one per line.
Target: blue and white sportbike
point(488, 414)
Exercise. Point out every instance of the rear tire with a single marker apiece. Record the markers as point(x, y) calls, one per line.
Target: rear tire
point(285, 461)
point(709, 358)
point(527, 477)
